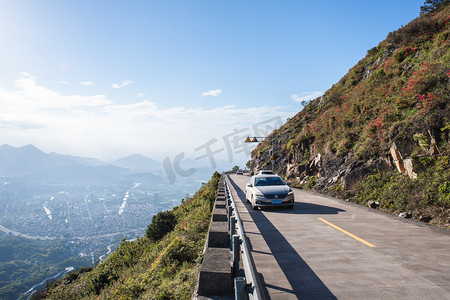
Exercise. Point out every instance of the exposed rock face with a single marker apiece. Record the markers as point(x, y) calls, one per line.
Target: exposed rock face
point(373, 204)
point(292, 167)
point(425, 219)
point(398, 159)
point(331, 169)
point(399, 150)
point(357, 171)
point(408, 164)
point(405, 215)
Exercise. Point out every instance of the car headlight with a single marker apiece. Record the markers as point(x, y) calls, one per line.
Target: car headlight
point(291, 193)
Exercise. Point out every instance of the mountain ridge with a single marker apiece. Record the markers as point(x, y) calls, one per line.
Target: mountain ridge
point(138, 162)
point(31, 162)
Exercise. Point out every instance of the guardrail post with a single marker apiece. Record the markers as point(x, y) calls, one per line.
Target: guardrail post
point(236, 255)
point(239, 288)
point(232, 230)
point(229, 213)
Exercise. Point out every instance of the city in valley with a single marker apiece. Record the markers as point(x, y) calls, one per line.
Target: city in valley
point(92, 217)
point(60, 212)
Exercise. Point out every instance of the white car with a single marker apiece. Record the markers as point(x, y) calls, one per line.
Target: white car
point(265, 172)
point(269, 190)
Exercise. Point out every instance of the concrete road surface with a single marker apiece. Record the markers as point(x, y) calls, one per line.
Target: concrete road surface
point(326, 248)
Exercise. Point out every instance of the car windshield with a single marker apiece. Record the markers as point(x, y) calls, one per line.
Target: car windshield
point(264, 181)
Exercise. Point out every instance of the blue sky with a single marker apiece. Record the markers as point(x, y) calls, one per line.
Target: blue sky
point(110, 78)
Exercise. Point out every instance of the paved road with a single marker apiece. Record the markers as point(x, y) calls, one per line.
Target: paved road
point(330, 249)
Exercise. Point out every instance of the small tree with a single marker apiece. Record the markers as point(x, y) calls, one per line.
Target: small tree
point(432, 5)
point(235, 168)
point(162, 223)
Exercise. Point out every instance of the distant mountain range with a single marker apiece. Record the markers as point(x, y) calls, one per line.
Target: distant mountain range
point(138, 162)
point(29, 161)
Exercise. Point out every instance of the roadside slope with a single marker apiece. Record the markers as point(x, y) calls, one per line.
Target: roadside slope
point(164, 264)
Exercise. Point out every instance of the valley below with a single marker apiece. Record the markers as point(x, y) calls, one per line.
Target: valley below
point(73, 224)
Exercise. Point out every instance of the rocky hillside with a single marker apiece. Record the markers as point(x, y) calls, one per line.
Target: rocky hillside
point(381, 134)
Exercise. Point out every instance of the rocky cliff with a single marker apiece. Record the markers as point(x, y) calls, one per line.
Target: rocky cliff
point(381, 134)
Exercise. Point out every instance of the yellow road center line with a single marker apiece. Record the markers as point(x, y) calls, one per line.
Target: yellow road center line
point(347, 233)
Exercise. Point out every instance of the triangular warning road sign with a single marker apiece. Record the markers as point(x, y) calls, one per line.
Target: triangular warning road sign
point(248, 140)
point(254, 140)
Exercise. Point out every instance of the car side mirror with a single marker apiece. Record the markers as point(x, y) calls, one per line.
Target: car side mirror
point(288, 183)
point(249, 185)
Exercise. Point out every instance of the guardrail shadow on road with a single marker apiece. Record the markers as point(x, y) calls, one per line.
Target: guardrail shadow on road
point(304, 282)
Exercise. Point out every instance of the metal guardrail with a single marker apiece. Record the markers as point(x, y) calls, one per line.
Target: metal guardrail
point(249, 286)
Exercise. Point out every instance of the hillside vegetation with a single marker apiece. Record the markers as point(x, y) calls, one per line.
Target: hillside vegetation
point(381, 133)
point(25, 262)
point(164, 264)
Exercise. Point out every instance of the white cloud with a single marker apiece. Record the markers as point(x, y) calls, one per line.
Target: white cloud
point(123, 84)
point(306, 96)
point(86, 83)
point(213, 93)
point(139, 95)
point(64, 82)
point(31, 95)
point(96, 126)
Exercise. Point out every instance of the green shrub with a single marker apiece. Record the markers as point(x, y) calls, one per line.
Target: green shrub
point(397, 192)
point(373, 51)
point(311, 182)
point(162, 223)
point(432, 5)
point(372, 187)
point(444, 193)
point(290, 144)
